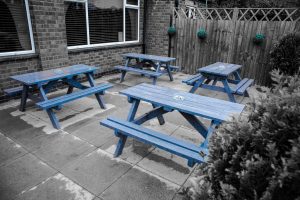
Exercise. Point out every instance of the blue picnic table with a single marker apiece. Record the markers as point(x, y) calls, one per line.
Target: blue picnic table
point(161, 65)
point(220, 71)
point(165, 100)
point(44, 81)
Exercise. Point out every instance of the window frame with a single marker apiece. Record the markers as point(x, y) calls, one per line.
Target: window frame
point(125, 6)
point(14, 53)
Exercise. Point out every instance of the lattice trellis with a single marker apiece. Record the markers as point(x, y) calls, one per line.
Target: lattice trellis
point(246, 14)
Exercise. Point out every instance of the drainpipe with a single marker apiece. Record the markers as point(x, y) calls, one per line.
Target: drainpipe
point(144, 26)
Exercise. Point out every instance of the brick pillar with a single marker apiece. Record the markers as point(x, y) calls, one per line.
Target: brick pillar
point(157, 24)
point(50, 32)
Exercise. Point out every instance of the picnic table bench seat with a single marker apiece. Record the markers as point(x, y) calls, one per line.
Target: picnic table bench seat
point(192, 80)
point(141, 71)
point(72, 96)
point(174, 68)
point(13, 91)
point(194, 153)
point(242, 86)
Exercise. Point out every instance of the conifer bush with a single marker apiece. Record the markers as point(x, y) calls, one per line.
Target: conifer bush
point(257, 156)
point(285, 56)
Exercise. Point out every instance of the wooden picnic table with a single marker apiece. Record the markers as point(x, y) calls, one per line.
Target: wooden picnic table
point(44, 81)
point(164, 100)
point(220, 72)
point(161, 65)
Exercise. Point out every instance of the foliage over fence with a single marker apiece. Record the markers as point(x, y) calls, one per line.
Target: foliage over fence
point(230, 33)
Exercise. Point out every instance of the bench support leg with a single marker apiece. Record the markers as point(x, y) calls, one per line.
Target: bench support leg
point(197, 84)
point(215, 82)
point(53, 118)
point(123, 138)
point(228, 91)
point(160, 117)
point(122, 76)
point(24, 98)
point(191, 163)
point(98, 97)
point(169, 71)
point(154, 80)
point(197, 124)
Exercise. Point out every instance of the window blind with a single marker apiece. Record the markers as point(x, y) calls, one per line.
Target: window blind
point(14, 31)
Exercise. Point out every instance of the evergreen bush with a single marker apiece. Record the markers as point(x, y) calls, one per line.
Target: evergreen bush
point(256, 157)
point(285, 56)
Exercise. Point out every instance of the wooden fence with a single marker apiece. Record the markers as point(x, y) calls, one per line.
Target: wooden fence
point(230, 34)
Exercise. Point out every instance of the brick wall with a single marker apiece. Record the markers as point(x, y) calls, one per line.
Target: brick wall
point(157, 23)
point(48, 24)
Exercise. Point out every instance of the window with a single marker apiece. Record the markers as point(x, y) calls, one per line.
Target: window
point(101, 22)
point(15, 29)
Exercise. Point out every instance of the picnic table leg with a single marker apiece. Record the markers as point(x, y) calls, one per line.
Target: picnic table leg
point(24, 98)
point(122, 76)
point(169, 71)
point(154, 80)
point(160, 118)
point(215, 81)
point(197, 84)
point(123, 138)
point(237, 75)
point(70, 89)
point(50, 112)
point(98, 96)
point(228, 90)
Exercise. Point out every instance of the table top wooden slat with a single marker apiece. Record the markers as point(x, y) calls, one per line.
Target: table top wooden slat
point(220, 69)
point(186, 102)
point(53, 74)
point(149, 57)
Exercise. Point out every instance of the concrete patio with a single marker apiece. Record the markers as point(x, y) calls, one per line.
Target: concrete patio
point(38, 162)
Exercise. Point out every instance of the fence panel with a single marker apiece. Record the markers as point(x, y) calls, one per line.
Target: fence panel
point(230, 34)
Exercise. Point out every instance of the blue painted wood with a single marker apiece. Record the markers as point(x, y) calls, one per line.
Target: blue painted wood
point(24, 98)
point(228, 90)
point(220, 69)
point(148, 57)
point(53, 74)
point(159, 115)
point(213, 87)
point(97, 94)
point(169, 72)
point(197, 84)
point(191, 80)
point(13, 91)
point(174, 68)
point(70, 97)
point(196, 123)
point(140, 71)
point(241, 90)
point(163, 141)
point(150, 115)
point(122, 137)
point(185, 102)
point(240, 84)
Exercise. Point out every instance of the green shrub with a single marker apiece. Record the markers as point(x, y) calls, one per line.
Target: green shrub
point(257, 156)
point(286, 54)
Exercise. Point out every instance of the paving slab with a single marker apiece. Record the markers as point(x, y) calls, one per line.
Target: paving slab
point(96, 171)
point(22, 174)
point(133, 152)
point(9, 150)
point(188, 135)
point(94, 133)
point(166, 165)
point(138, 184)
point(63, 149)
point(57, 187)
